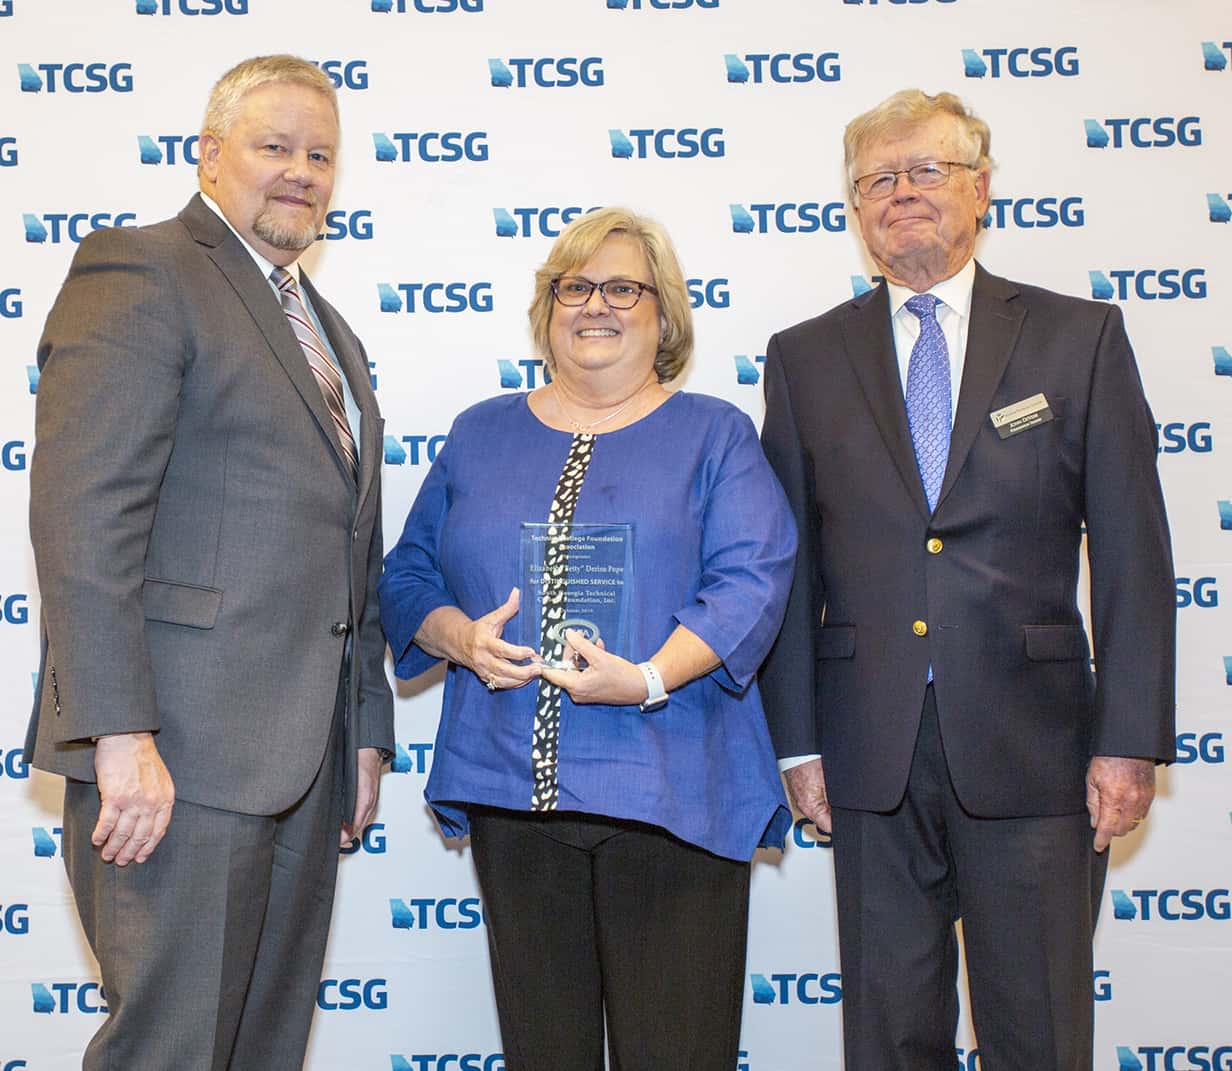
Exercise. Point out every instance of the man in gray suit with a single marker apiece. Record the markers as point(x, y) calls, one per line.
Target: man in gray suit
point(205, 513)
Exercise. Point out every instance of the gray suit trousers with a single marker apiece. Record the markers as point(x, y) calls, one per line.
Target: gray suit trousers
point(211, 951)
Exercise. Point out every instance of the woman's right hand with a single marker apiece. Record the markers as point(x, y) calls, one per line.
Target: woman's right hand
point(490, 658)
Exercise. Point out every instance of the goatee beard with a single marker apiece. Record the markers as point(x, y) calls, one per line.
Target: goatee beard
point(283, 235)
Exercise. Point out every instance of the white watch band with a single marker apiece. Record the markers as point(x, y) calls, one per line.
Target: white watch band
point(656, 694)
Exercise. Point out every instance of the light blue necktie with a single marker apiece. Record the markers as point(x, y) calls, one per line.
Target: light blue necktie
point(928, 397)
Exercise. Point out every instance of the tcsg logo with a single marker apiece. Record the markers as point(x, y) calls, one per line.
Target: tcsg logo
point(13, 764)
point(412, 449)
point(6, 9)
point(13, 456)
point(1200, 592)
point(1148, 284)
point(340, 224)
point(346, 74)
point(427, 7)
point(15, 919)
point(532, 222)
point(14, 609)
point(804, 988)
point(1143, 133)
point(711, 293)
point(1034, 212)
point(1177, 437)
point(805, 834)
point(424, 913)
point(371, 842)
point(432, 146)
point(1207, 748)
point(192, 7)
point(1223, 359)
point(748, 370)
point(546, 72)
point(667, 143)
point(47, 844)
point(411, 758)
point(1020, 62)
point(782, 67)
point(8, 152)
point(806, 217)
point(57, 227)
point(1171, 905)
point(64, 998)
point(350, 994)
point(448, 1061)
point(1218, 210)
point(435, 297)
point(532, 367)
point(1174, 1058)
point(169, 149)
point(1214, 55)
point(660, 5)
point(76, 77)
point(10, 303)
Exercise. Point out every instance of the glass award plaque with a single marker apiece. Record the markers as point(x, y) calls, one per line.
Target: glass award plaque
point(576, 576)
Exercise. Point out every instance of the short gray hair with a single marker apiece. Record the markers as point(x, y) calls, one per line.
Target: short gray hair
point(909, 108)
point(227, 96)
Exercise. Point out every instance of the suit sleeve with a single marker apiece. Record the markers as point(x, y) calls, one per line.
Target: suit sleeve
point(375, 716)
point(1133, 593)
point(788, 676)
point(112, 360)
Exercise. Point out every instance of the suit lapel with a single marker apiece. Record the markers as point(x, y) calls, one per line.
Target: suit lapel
point(355, 368)
point(869, 341)
point(240, 270)
point(995, 322)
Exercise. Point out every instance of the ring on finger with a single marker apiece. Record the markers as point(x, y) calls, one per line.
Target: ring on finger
point(490, 683)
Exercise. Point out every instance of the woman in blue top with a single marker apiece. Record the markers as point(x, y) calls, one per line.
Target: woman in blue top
point(614, 804)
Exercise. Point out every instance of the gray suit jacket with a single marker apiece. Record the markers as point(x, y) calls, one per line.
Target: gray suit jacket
point(203, 557)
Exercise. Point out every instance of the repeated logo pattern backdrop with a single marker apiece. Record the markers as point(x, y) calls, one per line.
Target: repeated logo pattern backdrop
point(474, 130)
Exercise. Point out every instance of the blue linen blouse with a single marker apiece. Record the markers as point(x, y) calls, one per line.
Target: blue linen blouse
point(715, 547)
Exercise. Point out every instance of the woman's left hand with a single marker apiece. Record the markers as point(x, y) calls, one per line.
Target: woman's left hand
point(607, 678)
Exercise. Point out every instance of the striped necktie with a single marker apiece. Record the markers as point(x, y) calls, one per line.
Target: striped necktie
point(327, 376)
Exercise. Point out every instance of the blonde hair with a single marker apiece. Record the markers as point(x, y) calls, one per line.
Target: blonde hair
point(579, 241)
point(912, 107)
point(227, 96)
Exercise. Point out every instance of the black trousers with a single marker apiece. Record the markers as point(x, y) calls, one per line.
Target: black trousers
point(591, 917)
point(1027, 891)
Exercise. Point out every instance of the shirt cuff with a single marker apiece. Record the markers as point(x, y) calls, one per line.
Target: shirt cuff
point(795, 760)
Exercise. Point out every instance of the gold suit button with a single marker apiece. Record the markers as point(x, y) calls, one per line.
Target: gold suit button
point(920, 628)
point(934, 545)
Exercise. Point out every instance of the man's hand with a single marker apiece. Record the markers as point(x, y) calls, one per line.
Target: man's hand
point(367, 791)
point(137, 795)
point(1119, 794)
point(807, 785)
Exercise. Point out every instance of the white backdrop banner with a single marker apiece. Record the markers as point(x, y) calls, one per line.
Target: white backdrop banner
point(473, 130)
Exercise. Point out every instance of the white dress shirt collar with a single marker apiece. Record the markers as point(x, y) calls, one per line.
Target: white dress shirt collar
point(266, 266)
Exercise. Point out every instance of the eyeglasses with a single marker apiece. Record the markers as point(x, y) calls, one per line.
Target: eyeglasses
point(926, 176)
point(574, 290)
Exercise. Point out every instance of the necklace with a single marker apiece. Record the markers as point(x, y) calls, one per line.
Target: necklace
point(578, 425)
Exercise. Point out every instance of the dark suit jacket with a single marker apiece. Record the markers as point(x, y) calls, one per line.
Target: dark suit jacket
point(1020, 710)
point(200, 545)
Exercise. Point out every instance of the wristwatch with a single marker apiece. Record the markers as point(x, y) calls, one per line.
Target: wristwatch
point(656, 694)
